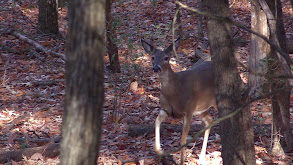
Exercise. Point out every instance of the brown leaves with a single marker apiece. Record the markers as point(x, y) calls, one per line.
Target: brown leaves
point(32, 90)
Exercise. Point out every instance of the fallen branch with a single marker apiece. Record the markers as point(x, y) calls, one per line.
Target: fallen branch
point(33, 140)
point(149, 129)
point(35, 44)
point(49, 150)
point(22, 140)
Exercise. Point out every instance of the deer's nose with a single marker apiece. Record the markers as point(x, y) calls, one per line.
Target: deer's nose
point(156, 68)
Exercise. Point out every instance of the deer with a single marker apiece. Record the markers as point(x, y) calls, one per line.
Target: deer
point(182, 94)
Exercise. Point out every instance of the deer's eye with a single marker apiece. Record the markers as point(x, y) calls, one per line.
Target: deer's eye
point(153, 58)
point(166, 58)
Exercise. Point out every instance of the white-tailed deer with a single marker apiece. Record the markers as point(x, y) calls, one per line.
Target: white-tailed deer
point(183, 94)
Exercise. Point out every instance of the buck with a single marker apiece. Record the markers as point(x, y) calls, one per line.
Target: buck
point(183, 94)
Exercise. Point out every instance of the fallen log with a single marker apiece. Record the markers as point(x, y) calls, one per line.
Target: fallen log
point(35, 44)
point(148, 129)
point(49, 150)
point(33, 140)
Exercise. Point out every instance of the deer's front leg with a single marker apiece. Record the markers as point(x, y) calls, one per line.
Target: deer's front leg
point(186, 127)
point(161, 117)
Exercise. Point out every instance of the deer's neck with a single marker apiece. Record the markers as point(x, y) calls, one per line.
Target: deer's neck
point(168, 79)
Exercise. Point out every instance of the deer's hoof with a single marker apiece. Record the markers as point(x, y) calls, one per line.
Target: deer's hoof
point(202, 160)
point(159, 151)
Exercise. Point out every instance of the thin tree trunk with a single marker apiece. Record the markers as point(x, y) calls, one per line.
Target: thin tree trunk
point(199, 21)
point(112, 48)
point(82, 119)
point(258, 51)
point(236, 133)
point(48, 16)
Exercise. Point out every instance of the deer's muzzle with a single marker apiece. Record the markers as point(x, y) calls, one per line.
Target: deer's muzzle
point(156, 68)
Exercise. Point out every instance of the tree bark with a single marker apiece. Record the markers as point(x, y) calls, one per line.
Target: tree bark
point(199, 20)
point(258, 51)
point(236, 133)
point(84, 98)
point(112, 48)
point(48, 16)
point(281, 100)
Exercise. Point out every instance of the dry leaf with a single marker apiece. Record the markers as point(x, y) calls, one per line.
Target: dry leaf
point(36, 156)
point(133, 86)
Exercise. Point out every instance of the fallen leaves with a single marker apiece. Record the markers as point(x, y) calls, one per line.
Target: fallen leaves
point(32, 91)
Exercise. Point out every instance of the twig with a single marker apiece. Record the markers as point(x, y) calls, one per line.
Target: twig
point(264, 75)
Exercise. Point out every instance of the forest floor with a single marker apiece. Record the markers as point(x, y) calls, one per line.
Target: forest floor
point(32, 84)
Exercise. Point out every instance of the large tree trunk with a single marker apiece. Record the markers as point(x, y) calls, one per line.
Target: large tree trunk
point(82, 120)
point(48, 16)
point(281, 100)
point(111, 35)
point(236, 133)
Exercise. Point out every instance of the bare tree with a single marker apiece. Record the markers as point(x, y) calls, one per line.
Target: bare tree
point(236, 133)
point(82, 119)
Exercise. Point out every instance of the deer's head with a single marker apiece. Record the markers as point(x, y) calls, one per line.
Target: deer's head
point(160, 58)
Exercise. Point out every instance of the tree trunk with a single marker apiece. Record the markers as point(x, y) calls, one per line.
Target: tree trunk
point(258, 51)
point(48, 16)
point(199, 21)
point(112, 48)
point(82, 119)
point(236, 133)
point(281, 100)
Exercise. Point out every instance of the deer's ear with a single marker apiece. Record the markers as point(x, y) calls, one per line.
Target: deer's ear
point(170, 48)
point(148, 48)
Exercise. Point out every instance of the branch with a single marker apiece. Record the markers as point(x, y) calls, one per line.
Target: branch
point(269, 76)
point(173, 33)
point(35, 44)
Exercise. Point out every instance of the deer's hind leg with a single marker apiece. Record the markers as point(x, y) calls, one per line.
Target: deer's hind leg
point(207, 119)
